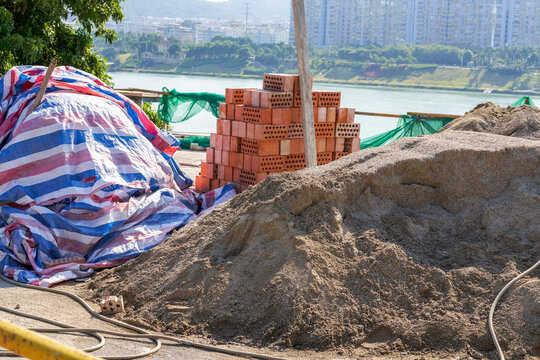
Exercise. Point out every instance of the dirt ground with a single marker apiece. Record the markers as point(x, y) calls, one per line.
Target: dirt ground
point(187, 158)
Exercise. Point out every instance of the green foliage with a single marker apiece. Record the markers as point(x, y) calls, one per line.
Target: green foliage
point(153, 116)
point(34, 31)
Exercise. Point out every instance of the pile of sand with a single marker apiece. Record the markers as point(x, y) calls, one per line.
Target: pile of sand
point(519, 121)
point(401, 247)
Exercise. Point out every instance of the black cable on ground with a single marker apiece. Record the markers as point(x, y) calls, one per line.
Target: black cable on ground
point(142, 334)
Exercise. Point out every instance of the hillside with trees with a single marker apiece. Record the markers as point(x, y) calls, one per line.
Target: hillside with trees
point(403, 64)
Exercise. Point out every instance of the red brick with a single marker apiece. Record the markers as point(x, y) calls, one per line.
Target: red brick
point(217, 156)
point(219, 126)
point(296, 131)
point(269, 164)
point(297, 146)
point(348, 130)
point(320, 145)
point(352, 145)
point(226, 127)
point(350, 115)
point(250, 131)
point(247, 97)
point(204, 168)
point(269, 132)
point(260, 147)
point(321, 114)
point(331, 114)
point(230, 111)
point(342, 115)
point(247, 161)
point(236, 160)
point(238, 129)
point(340, 144)
point(210, 155)
point(222, 183)
point(223, 111)
point(235, 144)
point(296, 115)
point(282, 116)
point(325, 129)
point(221, 172)
point(340, 154)
point(226, 143)
point(328, 98)
point(279, 82)
point(324, 158)
point(248, 177)
point(225, 158)
point(255, 98)
point(295, 162)
point(213, 140)
point(239, 112)
point(285, 147)
point(214, 184)
point(269, 99)
point(212, 171)
point(236, 175)
point(228, 173)
point(234, 96)
point(257, 115)
point(297, 99)
point(202, 184)
point(219, 142)
point(330, 144)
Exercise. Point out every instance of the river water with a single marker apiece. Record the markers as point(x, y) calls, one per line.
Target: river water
point(362, 98)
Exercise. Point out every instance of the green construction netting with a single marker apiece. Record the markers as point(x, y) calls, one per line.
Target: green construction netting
point(185, 143)
point(408, 126)
point(189, 105)
point(524, 100)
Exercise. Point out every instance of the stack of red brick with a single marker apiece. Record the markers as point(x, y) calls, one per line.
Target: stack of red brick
point(260, 132)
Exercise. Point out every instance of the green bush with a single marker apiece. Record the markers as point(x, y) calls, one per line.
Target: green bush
point(153, 116)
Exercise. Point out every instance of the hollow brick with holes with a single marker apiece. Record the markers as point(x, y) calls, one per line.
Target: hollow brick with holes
point(282, 116)
point(269, 132)
point(239, 113)
point(217, 156)
point(225, 157)
point(223, 111)
point(331, 114)
point(270, 99)
point(210, 155)
point(235, 143)
point(348, 130)
point(226, 127)
point(269, 164)
point(279, 82)
point(236, 159)
point(259, 147)
point(257, 115)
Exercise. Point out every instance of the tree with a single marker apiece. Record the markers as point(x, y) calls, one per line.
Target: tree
point(35, 31)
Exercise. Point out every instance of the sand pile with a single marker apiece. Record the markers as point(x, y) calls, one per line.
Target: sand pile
point(519, 121)
point(401, 247)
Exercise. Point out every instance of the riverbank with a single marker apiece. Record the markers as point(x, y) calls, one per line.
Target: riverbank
point(442, 78)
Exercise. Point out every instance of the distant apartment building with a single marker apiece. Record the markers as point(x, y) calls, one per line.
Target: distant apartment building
point(474, 23)
point(195, 31)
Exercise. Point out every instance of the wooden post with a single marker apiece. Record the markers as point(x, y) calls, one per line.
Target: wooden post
point(305, 82)
point(43, 86)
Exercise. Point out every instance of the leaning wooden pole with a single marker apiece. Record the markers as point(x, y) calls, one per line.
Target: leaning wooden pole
point(300, 31)
point(43, 86)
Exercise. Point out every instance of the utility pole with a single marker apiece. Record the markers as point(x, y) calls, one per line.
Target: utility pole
point(247, 15)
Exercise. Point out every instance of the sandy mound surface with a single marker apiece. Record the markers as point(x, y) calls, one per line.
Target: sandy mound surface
point(519, 121)
point(402, 247)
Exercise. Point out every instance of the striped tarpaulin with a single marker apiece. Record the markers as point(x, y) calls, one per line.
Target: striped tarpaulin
point(86, 180)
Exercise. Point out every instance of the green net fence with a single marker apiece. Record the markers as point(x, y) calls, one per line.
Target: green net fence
point(408, 125)
point(524, 100)
point(187, 105)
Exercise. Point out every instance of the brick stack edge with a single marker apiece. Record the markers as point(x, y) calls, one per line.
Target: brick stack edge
point(260, 132)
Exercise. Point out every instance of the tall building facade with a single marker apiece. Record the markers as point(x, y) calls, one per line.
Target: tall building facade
point(473, 23)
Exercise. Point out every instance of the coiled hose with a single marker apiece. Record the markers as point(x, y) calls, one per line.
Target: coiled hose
point(141, 333)
point(494, 305)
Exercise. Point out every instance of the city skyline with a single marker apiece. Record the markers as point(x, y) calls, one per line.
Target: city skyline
point(469, 23)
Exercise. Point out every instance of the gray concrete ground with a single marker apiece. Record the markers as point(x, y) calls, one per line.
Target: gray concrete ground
point(185, 157)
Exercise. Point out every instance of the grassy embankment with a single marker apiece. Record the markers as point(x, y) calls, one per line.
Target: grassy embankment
point(421, 76)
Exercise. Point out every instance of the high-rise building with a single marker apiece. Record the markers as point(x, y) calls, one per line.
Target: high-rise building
point(475, 23)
